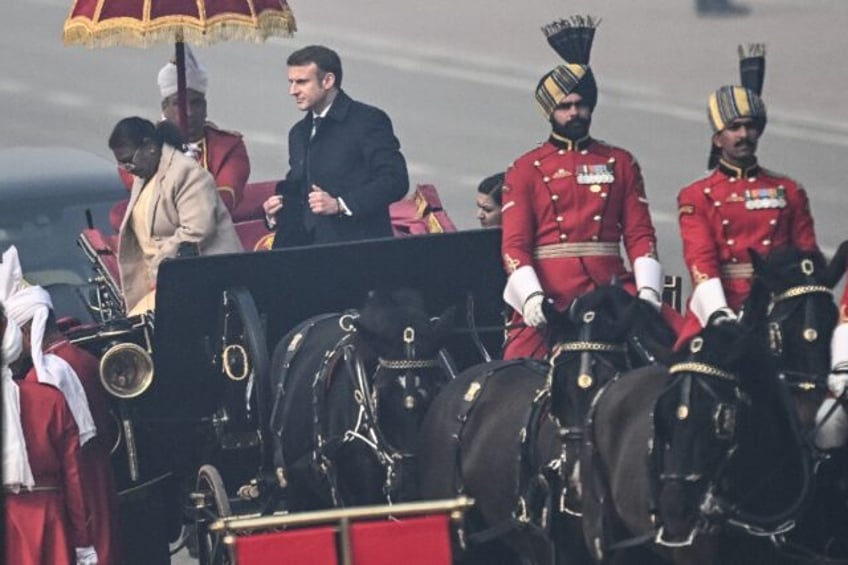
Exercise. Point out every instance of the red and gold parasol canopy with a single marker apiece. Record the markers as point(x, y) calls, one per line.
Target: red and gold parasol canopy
point(141, 23)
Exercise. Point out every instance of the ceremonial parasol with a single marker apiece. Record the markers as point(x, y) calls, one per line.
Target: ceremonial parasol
point(142, 23)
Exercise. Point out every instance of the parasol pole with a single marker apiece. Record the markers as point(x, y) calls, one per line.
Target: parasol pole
point(182, 98)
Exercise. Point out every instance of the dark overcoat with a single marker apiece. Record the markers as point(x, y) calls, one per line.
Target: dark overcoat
point(353, 155)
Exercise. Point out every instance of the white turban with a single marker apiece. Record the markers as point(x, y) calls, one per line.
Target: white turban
point(16, 470)
point(196, 77)
point(33, 304)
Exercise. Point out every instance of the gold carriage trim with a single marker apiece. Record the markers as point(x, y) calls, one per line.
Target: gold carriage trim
point(580, 249)
point(737, 271)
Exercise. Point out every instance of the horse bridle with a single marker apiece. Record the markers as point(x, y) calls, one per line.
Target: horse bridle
point(586, 379)
point(798, 380)
point(724, 418)
point(367, 429)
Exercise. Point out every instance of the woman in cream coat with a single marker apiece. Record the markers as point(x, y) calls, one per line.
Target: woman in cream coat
point(173, 201)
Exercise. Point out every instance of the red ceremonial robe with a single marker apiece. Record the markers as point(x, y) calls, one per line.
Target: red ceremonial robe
point(98, 479)
point(44, 526)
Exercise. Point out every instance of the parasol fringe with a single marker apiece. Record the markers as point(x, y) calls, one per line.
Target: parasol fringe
point(132, 33)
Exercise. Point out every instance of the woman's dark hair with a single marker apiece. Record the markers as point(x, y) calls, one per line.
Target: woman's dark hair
point(133, 131)
point(325, 59)
point(492, 186)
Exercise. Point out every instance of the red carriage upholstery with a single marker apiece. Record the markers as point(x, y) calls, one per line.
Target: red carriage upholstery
point(420, 213)
point(412, 541)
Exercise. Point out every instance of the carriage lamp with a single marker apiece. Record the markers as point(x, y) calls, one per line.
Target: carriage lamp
point(126, 370)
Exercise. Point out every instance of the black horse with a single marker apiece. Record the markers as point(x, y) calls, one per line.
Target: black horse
point(507, 432)
point(801, 319)
point(349, 392)
point(692, 459)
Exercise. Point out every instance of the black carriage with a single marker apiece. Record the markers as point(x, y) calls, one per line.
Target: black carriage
point(193, 394)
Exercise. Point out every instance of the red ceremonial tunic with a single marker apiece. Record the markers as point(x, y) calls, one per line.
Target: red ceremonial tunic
point(98, 479)
point(730, 211)
point(224, 155)
point(587, 193)
point(44, 527)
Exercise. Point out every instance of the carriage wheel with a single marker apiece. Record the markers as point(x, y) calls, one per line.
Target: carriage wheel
point(210, 547)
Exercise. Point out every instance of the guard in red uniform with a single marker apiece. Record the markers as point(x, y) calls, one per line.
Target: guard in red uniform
point(738, 206)
point(570, 203)
point(221, 152)
point(45, 515)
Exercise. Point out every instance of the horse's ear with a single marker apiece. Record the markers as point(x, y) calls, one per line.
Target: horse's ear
point(836, 268)
point(760, 266)
point(757, 303)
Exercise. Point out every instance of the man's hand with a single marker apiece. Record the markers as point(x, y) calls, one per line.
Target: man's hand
point(323, 203)
point(86, 555)
point(272, 205)
point(532, 310)
point(650, 296)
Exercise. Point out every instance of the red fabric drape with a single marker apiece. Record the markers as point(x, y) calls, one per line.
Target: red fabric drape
point(312, 546)
point(414, 541)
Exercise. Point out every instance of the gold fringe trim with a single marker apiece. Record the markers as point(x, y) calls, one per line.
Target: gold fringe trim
point(134, 33)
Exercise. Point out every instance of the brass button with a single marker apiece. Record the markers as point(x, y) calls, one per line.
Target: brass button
point(716, 203)
point(611, 160)
point(732, 179)
point(563, 237)
point(731, 241)
point(584, 152)
point(734, 260)
point(546, 180)
point(766, 242)
point(725, 222)
point(536, 163)
point(752, 179)
point(594, 238)
point(773, 222)
point(555, 197)
point(707, 190)
point(595, 188)
point(559, 218)
point(561, 152)
point(597, 218)
point(603, 195)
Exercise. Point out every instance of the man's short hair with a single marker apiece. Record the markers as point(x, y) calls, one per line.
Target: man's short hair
point(325, 59)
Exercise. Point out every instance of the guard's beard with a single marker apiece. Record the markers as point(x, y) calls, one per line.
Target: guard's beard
point(574, 129)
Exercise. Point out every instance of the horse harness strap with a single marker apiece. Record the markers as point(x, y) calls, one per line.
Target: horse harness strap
point(528, 481)
point(298, 339)
point(802, 290)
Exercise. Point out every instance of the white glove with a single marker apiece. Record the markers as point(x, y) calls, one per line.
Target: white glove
point(532, 310)
point(650, 296)
point(837, 382)
point(86, 555)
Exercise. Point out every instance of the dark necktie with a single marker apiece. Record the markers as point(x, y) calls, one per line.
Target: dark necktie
point(316, 123)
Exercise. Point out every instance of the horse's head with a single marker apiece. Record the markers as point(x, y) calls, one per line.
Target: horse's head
point(588, 348)
point(697, 421)
point(406, 342)
point(800, 321)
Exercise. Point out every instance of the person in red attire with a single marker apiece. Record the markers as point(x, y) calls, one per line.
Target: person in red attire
point(738, 206)
point(221, 152)
point(45, 516)
point(98, 479)
point(569, 203)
